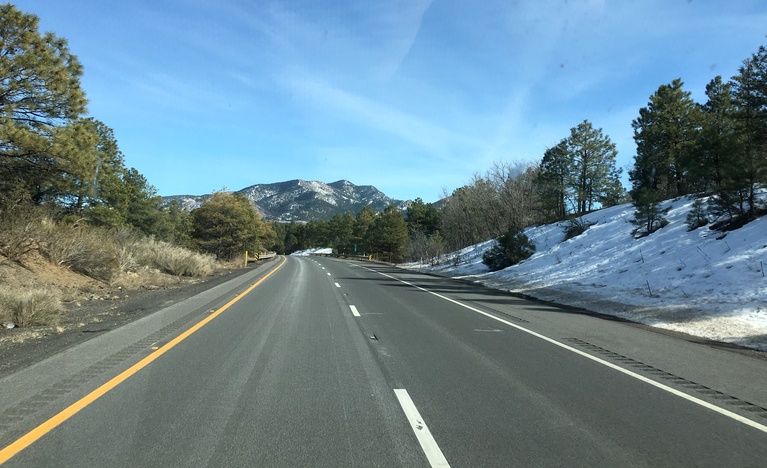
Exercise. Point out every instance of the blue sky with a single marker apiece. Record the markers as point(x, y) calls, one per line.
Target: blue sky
point(412, 96)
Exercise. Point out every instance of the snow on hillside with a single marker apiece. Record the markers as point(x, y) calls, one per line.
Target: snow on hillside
point(315, 251)
point(324, 191)
point(301, 201)
point(694, 282)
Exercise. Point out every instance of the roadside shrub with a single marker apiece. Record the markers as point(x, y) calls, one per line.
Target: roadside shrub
point(575, 227)
point(90, 251)
point(40, 307)
point(175, 260)
point(697, 216)
point(129, 249)
point(509, 249)
point(18, 225)
point(648, 218)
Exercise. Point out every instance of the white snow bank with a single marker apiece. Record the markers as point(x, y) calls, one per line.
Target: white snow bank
point(315, 251)
point(696, 282)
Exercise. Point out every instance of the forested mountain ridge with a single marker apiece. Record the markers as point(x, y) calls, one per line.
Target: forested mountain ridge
point(301, 200)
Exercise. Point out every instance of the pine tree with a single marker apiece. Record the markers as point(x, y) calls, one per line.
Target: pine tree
point(697, 216)
point(750, 91)
point(666, 133)
point(579, 174)
point(227, 225)
point(341, 229)
point(40, 94)
point(362, 223)
point(717, 143)
point(422, 217)
point(509, 249)
point(593, 177)
point(720, 152)
point(389, 235)
point(553, 180)
point(648, 217)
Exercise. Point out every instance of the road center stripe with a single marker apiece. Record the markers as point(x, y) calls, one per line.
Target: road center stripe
point(29, 438)
point(422, 433)
point(338, 285)
point(673, 391)
point(354, 311)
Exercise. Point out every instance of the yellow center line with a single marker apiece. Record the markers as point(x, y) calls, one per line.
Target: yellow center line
point(29, 438)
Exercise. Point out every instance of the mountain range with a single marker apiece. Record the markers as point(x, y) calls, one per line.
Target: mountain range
point(301, 200)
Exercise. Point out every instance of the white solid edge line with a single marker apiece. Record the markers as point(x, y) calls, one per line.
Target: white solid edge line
point(422, 433)
point(338, 285)
point(673, 391)
point(354, 311)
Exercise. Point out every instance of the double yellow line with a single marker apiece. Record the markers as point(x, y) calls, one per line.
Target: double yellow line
point(29, 438)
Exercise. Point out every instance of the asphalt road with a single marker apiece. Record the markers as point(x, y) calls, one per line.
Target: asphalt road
point(337, 363)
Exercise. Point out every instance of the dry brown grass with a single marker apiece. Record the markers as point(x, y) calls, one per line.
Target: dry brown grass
point(28, 308)
point(90, 251)
point(44, 262)
point(18, 226)
point(174, 260)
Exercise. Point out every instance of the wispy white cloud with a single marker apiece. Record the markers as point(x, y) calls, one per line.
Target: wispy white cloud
point(444, 87)
point(361, 111)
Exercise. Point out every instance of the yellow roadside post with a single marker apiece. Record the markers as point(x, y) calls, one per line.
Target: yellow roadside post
point(246, 258)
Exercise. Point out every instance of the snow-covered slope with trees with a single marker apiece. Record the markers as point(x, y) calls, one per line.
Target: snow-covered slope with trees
point(703, 282)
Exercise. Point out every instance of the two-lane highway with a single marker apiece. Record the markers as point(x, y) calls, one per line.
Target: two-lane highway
point(337, 363)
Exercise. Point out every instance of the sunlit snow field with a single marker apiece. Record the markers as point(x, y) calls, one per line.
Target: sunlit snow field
point(694, 282)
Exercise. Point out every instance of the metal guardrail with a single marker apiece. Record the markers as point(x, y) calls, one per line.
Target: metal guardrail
point(252, 258)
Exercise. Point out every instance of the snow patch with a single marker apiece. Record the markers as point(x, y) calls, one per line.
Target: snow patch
point(315, 251)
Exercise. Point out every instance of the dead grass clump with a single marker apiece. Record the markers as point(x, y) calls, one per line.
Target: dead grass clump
point(90, 251)
point(36, 307)
point(129, 250)
point(175, 260)
point(18, 226)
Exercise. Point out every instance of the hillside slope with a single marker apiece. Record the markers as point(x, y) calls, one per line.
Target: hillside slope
point(702, 282)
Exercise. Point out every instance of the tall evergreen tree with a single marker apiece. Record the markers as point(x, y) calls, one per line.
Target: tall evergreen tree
point(389, 235)
point(341, 233)
point(227, 225)
point(720, 153)
point(92, 177)
point(422, 217)
point(362, 223)
point(40, 94)
point(665, 133)
point(718, 142)
point(553, 180)
point(750, 91)
point(579, 173)
point(593, 177)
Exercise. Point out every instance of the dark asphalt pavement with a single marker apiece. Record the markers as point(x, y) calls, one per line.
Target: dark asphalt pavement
point(310, 369)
